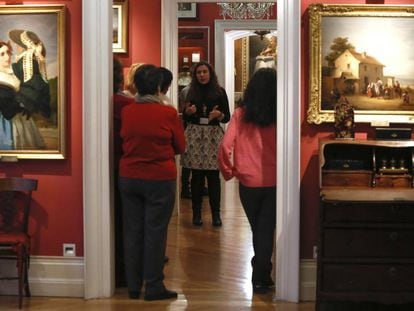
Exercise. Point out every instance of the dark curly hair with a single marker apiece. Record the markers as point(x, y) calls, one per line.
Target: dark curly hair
point(259, 98)
point(147, 79)
point(200, 91)
point(118, 75)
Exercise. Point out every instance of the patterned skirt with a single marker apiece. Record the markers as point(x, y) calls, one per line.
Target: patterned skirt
point(202, 147)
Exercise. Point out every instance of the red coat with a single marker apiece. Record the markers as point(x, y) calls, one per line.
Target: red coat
point(152, 134)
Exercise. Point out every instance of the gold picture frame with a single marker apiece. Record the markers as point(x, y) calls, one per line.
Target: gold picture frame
point(32, 80)
point(120, 26)
point(361, 52)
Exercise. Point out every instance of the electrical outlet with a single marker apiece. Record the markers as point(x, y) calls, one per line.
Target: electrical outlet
point(69, 250)
point(315, 252)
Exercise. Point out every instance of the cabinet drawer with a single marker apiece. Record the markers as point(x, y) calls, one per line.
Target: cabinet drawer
point(368, 243)
point(368, 278)
point(369, 212)
point(337, 178)
point(393, 181)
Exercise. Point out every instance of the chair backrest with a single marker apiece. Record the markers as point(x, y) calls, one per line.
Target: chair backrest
point(15, 198)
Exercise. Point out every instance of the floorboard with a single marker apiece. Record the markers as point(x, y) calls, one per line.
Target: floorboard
point(209, 267)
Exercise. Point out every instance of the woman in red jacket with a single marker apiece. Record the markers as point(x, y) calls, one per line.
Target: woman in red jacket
point(248, 152)
point(152, 134)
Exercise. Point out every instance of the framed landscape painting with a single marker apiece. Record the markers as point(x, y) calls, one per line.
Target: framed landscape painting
point(32, 82)
point(364, 53)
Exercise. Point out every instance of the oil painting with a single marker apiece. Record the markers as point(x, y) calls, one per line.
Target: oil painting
point(32, 82)
point(362, 53)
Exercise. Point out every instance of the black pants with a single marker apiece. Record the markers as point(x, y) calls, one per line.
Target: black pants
point(259, 205)
point(185, 179)
point(119, 244)
point(147, 208)
point(213, 184)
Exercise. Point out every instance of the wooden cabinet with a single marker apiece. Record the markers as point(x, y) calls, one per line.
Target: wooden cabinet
point(366, 244)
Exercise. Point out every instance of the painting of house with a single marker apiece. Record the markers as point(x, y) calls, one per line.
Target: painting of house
point(355, 71)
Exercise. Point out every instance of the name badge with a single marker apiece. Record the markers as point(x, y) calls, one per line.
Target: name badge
point(204, 121)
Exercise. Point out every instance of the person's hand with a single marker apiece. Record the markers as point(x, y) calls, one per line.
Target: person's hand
point(214, 114)
point(190, 109)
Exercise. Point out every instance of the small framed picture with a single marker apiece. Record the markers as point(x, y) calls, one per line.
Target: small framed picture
point(120, 26)
point(187, 11)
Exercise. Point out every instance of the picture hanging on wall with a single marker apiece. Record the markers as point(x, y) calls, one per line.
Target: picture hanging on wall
point(187, 11)
point(120, 26)
point(32, 82)
point(363, 53)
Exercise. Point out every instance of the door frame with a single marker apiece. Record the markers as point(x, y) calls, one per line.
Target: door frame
point(99, 275)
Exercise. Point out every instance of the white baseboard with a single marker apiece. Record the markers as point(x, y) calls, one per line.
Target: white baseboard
point(307, 280)
point(48, 276)
point(64, 277)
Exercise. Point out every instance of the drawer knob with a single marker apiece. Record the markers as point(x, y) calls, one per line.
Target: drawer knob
point(393, 236)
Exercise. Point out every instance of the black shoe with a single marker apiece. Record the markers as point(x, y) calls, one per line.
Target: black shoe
point(197, 218)
point(216, 218)
point(167, 294)
point(261, 288)
point(217, 221)
point(134, 294)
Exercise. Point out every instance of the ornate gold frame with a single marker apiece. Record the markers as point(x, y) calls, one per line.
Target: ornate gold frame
point(55, 126)
point(245, 62)
point(316, 114)
point(121, 9)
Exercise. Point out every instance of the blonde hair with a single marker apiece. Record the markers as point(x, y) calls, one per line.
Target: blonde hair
point(129, 81)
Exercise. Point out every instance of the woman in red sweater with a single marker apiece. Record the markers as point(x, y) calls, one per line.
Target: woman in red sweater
point(152, 134)
point(248, 152)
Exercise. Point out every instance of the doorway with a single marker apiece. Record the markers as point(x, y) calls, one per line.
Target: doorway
point(287, 235)
point(97, 57)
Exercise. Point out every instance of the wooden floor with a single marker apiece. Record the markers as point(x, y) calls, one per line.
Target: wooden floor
point(209, 268)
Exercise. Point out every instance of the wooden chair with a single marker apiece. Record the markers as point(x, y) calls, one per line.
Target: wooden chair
point(15, 199)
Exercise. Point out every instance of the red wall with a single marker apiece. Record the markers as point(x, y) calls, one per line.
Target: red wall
point(57, 215)
point(144, 44)
point(312, 133)
point(207, 13)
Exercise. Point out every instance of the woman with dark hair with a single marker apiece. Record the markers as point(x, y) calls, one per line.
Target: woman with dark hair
point(167, 78)
point(152, 134)
point(17, 128)
point(248, 152)
point(9, 85)
point(206, 106)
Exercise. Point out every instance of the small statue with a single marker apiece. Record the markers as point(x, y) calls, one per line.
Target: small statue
point(344, 119)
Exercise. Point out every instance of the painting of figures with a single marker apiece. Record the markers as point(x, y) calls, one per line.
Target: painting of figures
point(32, 82)
point(363, 53)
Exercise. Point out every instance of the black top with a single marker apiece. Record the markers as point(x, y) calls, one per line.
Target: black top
point(35, 93)
point(205, 105)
